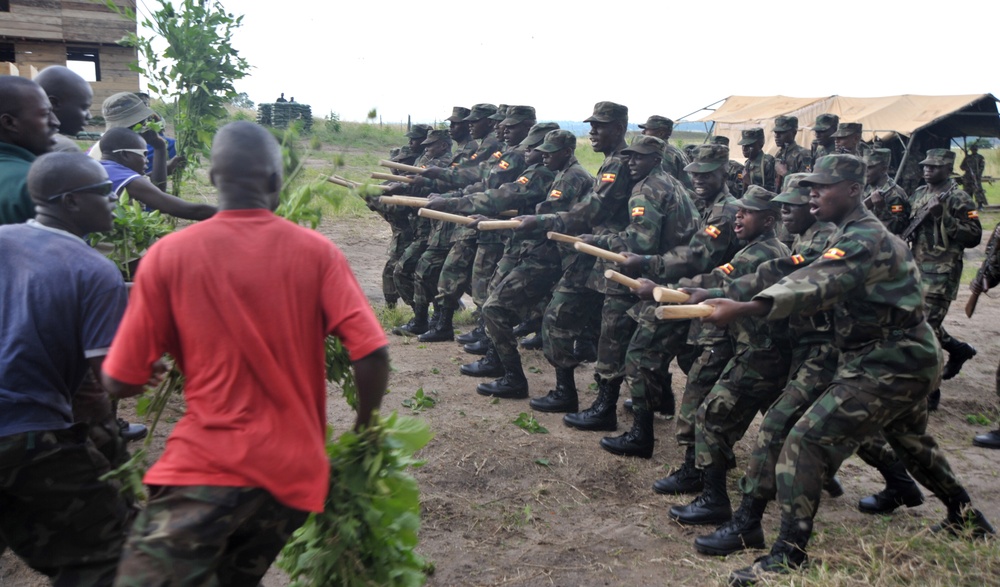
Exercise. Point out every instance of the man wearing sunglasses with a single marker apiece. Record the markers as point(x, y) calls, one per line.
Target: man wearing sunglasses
point(27, 128)
point(61, 304)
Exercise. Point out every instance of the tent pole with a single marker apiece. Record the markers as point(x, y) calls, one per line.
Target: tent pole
point(906, 154)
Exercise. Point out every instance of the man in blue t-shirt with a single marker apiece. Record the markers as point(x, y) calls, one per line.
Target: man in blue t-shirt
point(60, 305)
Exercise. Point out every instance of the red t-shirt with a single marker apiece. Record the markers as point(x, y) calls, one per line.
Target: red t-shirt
point(243, 302)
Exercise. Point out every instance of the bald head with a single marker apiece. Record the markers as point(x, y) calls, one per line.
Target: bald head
point(121, 138)
point(56, 173)
point(246, 166)
point(26, 117)
point(71, 97)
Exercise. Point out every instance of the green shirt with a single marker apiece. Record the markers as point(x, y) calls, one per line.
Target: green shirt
point(15, 203)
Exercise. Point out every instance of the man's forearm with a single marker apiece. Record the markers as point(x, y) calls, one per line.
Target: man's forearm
point(371, 373)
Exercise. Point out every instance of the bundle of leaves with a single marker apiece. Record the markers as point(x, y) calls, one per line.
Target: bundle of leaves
point(134, 230)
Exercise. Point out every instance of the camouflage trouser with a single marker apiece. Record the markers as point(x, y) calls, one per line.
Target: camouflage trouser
point(569, 313)
point(704, 373)
point(404, 273)
point(203, 535)
point(396, 247)
point(92, 406)
point(56, 515)
point(427, 273)
point(647, 360)
point(456, 273)
point(935, 309)
point(750, 383)
point(517, 287)
point(617, 328)
point(866, 397)
point(487, 258)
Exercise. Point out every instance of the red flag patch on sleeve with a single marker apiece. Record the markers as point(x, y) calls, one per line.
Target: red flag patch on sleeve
point(522, 180)
point(608, 178)
point(473, 157)
point(638, 211)
point(555, 194)
point(727, 268)
point(896, 209)
point(833, 253)
point(503, 164)
point(712, 231)
point(973, 214)
point(798, 259)
point(497, 155)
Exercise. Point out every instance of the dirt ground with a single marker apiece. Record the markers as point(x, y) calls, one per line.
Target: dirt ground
point(504, 507)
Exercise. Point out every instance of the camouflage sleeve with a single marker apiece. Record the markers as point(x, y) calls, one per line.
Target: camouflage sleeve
point(611, 190)
point(525, 192)
point(960, 220)
point(991, 264)
point(897, 210)
point(769, 173)
point(707, 248)
point(642, 235)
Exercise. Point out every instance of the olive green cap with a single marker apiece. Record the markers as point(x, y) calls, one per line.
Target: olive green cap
point(720, 140)
point(458, 114)
point(537, 133)
point(826, 121)
point(939, 157)
point(480, 111)
point(656, 122)
point(846, 129)
point(418, 131)
point(793, 192)
point(835, 169)
point(878, 157)
point(608, 112)
point(518, 114)
point(786, 123)
point(751, 136)
point(557, 140)
point(646, 145)
point(435, 136)
point(500, 114)
point(758, 198)
point(708, 158)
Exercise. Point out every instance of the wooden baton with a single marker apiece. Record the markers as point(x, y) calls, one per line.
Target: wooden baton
point(563, 238)
point(599, 252)
point(401, 166)
point(498, 224)
point(684, 312)
point(341, 182)
point(622, 279)
point(391, 177)
point(670, 296)
point(403, 201)
point(435, 215)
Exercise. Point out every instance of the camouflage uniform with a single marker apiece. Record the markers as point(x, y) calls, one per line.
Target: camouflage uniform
point(760, 170)
point(939, 244)
point(734, 173)
point(674, 161)
point(974, 166)
point(204, 535)
point(846, 129)
point(824, 122)
point(439, 235)
point(894, 209)
point(402, 232)
point(794, 156)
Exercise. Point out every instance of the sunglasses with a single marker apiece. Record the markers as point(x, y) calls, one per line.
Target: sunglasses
point(105, 188)
point(141, 152)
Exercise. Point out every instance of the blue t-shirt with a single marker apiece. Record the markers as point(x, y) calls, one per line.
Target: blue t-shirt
point(171, 152)
point(119, 175)
point(60, 304)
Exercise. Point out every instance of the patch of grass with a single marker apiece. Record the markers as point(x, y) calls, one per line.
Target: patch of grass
point(420, 401)
point(464, 317)
point(390, 318)
point(529, 424)
point(978, 419)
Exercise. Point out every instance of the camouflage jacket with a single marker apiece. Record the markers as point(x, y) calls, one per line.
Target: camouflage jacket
point(939, 243)
point(861, 151)
point(822, 150)
point(422, 227)
point(991, 264)
point(868, 278)
point(674, 162)
point(464, 152)
point(472, 170)
point(761, 170)
point(974, 166)
point(894, 210)
point(572, 183)
point(734, 178)
point(795, 158)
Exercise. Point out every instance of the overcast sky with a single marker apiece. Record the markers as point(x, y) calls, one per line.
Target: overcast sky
point(656, 57)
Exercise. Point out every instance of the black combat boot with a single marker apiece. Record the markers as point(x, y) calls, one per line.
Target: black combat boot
point(488, 366)
point(963, 519)
point(562, 398)
point(989, 439)
point(899, 490)
point(742, 532)
point(712, 506)
point(443, 329)
point(418, 325)
point(477, 333)
point(602, 414)
point(934, 400)
point(833, 487)
point(958, 354)
point(686, 479)
point(787, 554)
point(637, 442)
point(531, 343)
point(666, 404)
point(528, 327)
point(511, 385)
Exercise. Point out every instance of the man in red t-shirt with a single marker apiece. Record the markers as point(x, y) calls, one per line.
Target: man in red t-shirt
point(243, 302)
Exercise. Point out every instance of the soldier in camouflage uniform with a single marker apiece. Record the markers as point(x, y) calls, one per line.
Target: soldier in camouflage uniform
point(847, 140)
point(888, 363)
point(823, 128)
point(974, 166)
point(759, 166)
point(459, 130)
point(988, 278)
point(399, 224)
point(883, 196)
point(938, 244)
point(656, 343)
point(734, 171)
point(753, 378)
point(791, 157)
point(662, 216)
point(674, 161)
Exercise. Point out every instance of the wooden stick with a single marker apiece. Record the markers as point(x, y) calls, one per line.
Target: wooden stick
point(341, 182)
point(391, 177)
point(401, 166)
point(670, 296)
point(434, 214)
point(599, 252)
point(498, 224)
point(684, 312)
point(622, 279)
point(563, 238)
point(508, 214)
point(403, 201)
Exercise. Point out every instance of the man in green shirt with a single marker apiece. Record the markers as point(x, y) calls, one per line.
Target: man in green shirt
point(27, 128)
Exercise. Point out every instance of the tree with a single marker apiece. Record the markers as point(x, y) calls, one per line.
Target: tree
point(242, 100)
point(196, 71)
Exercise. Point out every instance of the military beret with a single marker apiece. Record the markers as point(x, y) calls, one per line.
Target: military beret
point(556, 140)
point(646, 145)
point(519, 114)
point(480, 111)
point(758, 198)
point(435, 136)
point(500, 114)
point(847, 129)
point(939, 157)
point(835, 169)
point(608, 112)
point(537, 133)
point(826, 121)
point(793, 192)
point(878, 157)
point(752, 136)
point(458, 114)
point(786, 123)
point(708, 158)
point(720, 140)
point(418, 131)
point(656, 121)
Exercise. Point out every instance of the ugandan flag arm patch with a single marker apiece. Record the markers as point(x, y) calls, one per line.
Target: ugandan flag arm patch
point(712, 231)
point(522, 180)
point(896, 209)
point(555, 194)
point(608, 177)
point(798, 259)
point(727, 268)
point(638, 211)
point(474, 155)
point(833, 253)
point(503, 165)
point(497, 155)
point(973, 214)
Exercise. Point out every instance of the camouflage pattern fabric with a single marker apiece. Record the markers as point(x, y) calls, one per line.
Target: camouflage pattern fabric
point(710, 364)
point(796, 160)
point(939, 244)
point(397, 244)
point(991, 274)
point(894, 209)
point(974, 167)
point(823, 149)
point(759, 170)
point(203, 535)
point(734, 178)
point(428, 271)
point(404, 273)
point(57, 515)
point(455, 278)
point(674, 162)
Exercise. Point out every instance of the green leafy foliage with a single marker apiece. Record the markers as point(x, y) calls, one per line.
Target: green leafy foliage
point(528, 423)
point(134, 230)
point(978, 419)
point(420, 401)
